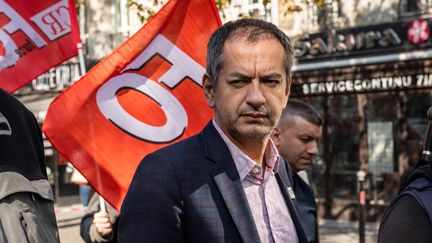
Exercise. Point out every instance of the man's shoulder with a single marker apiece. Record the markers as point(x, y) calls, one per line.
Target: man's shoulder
point(400, 220)
point(303, 188)
point(177, 155)
point(185, 146)
point(191, 146)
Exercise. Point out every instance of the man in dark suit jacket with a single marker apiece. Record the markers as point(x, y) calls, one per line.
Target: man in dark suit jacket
point(296, 137)
point(228, 183)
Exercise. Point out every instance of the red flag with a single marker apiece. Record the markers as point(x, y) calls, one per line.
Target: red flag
point(34, 37)
point(74, 22)
point(145, 95)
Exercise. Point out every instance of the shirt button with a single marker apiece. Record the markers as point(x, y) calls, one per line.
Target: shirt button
point(256, 170)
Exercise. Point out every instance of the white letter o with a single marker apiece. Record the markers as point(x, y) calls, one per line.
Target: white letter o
point(110, 107)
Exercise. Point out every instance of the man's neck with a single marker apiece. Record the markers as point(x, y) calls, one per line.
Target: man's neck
point(254, 149)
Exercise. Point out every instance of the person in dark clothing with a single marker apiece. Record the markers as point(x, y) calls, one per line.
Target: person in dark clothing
point(296, 137)
point(97, 226)
point(26, 199)
point(407, 219)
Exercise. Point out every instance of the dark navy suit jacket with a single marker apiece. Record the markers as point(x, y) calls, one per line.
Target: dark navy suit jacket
point(191, 192)
point(306, 208)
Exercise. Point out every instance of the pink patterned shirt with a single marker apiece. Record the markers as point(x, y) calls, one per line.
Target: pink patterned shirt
point(269, 209)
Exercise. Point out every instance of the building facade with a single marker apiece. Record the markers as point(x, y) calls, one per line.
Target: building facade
point(366, 66)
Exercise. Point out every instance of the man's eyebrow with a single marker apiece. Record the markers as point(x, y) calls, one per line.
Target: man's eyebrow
point(266, 76)
point(272, 76)
point(239, 75)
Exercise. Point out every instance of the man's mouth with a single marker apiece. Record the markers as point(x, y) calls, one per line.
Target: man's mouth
point(254, 115)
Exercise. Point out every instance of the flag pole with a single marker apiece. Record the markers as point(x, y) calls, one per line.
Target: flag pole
point(102, 203)
point(77, 39)
point(81, 58)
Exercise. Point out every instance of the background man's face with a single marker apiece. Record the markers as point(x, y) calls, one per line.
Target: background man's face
point(251, 90)
point(297, 140)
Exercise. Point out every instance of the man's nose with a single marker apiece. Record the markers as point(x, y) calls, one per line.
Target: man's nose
point(313, 148)
point(255, 96)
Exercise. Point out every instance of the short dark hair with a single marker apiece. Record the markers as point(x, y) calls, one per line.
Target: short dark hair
point(253, 30)
point(303, 110)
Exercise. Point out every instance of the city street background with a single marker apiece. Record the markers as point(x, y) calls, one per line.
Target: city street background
point(331, 231)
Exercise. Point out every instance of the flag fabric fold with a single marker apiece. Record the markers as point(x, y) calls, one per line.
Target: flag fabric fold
point(143, 96)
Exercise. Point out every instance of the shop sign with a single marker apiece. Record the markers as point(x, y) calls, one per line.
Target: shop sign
point(364, 85)
point(418, 31)
point(362, 40)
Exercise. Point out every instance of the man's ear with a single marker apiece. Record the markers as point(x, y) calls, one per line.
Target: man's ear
point(288, 90)
point(208, 90)
point(275, 136)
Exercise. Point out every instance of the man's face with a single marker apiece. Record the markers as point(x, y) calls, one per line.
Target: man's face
point(297, 139)
point(251, 89)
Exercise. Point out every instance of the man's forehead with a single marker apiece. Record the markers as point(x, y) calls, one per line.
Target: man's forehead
point(247, 39)
point(245, 57)
point(250, 34)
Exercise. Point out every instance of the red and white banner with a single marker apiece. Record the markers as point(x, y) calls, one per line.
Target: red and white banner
point(34, 37)
point(145, 95)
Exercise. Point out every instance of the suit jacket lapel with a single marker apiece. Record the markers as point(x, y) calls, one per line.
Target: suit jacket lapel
point(229, 184)
point(286, 187)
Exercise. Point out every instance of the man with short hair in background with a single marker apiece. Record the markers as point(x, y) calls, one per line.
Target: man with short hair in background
point(296, 137)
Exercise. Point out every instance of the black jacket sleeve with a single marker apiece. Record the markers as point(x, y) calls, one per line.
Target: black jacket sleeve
point(86, 222)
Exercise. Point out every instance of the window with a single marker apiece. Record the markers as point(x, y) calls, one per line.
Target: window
point(328, 14)
point(256, 9)
point(311, 20)
point(323, 16)
point(120, 17)
point(414, 7)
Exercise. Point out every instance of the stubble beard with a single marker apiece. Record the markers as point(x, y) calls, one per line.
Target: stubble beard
point(256, 132)
point(242, 132)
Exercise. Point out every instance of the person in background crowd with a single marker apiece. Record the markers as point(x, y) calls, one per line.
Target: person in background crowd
point(409, 216)
point(98, 226)
point(296, 137)
point(228, 183)
point(84, 187)
point(26, 199)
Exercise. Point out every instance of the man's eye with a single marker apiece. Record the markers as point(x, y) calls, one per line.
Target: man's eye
point(237, 82)
point(272, 82)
